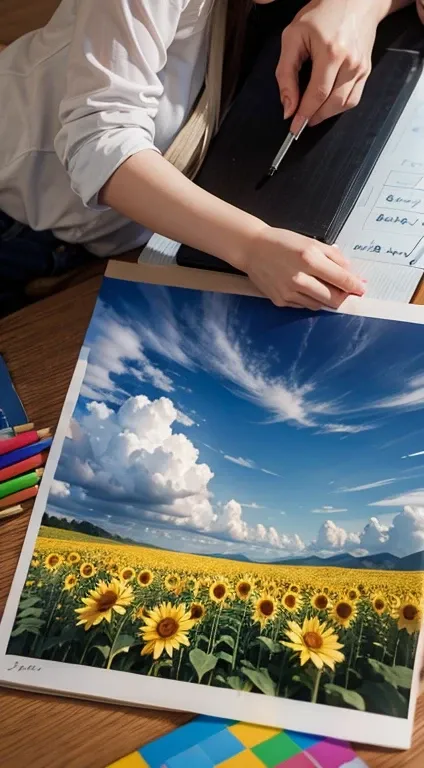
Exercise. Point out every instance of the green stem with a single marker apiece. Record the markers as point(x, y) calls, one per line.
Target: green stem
point(395, 653)
point(179, 662)
point(236, 645)
point(218, 616)
point(112, 650)
point(349, 664)
point(259, 657)
point(316, 686)
point(151, 670)
point(359, 642)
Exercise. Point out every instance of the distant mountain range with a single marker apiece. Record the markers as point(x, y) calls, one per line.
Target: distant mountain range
point(383, 561)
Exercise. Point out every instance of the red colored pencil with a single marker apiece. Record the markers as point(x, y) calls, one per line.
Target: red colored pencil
point(24, 466)
point(25, 438)
point(17, 498)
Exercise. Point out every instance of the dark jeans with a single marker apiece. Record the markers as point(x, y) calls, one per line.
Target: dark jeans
point(26, 255)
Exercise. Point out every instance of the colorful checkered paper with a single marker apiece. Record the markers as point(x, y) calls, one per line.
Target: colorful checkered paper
point(214, 743)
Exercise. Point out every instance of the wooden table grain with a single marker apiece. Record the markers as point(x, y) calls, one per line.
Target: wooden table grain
point(41, 345)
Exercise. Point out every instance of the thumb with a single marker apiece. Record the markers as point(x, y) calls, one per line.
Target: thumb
point(293, 54)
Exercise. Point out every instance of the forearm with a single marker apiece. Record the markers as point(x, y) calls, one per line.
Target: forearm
point(149, 190)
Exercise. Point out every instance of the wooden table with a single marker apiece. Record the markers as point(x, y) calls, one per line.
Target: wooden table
point(41, 345)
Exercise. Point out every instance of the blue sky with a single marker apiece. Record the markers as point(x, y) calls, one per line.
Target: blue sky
point(298, 428)
point(9, 399)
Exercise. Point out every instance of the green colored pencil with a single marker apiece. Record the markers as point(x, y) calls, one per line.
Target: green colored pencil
point(16, 484)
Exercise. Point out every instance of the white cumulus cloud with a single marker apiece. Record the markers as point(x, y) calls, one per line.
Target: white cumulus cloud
point(60, 488)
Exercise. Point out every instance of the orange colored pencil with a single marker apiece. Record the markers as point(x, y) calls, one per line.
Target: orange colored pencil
point(17, 498)
point(23, 428)
point(24, 466)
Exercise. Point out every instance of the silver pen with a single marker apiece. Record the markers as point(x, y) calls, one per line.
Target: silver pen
point(290, 138)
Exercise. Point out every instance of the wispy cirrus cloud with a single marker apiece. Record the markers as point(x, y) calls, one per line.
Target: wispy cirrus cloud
point(328, 510)
point(248, 464)
point(367, 486)
point(410, 498)
point(413, 455)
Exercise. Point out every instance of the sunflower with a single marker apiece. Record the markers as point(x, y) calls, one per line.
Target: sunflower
point(243, 589)
point(29, 583)
point(292, 601)
point(218, 591)
point(113, 567)
point(87, 570)
point(52, 561)
point(320, 601)
point(145, 578)
point(344, 612)
point(379, 603)
point(69, 582)
point(265, 610)
point(140, 613)
point(197, 611)
point(353, 594)
point(39, 584)
point(270, 587)
point(73, 558)
point(166, 629)
point(409, 616)
point(192, 585)
point(172, 582)
point(103, 601)
point(314, 642)
point(35, 563)
point(127, 574)
point(294, 588)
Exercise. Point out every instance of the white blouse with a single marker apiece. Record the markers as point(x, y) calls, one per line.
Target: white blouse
point(103, 80)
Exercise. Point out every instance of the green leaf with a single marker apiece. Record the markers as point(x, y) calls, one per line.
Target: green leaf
point(36, 612)
point(400, 677)
point(383, 699)
point(272, 647)
point(160, 665)
point(262, 680)
point(341, 697)
point(202, 662)
point(237, 684)
point(227, 639)
point(22, 628)
point(247, 664)
point(29, 602)
point(205, 638)
point(104, 650)
point(225, 656)
point(123, 644)
point(304, 679)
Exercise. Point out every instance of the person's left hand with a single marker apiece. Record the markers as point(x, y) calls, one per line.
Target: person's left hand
point(338, 36)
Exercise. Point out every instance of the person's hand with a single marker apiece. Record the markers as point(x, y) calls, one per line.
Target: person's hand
point(296, 271)
point(420, 9)
point(338, 37)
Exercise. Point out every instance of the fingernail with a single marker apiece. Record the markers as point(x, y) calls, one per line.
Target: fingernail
point(286, 106)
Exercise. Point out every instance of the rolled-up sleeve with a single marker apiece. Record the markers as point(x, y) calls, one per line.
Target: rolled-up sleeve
point(113, 87)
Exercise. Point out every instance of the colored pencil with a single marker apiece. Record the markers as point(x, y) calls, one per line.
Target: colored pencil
point(24, 453)
point(25, 438)
point(16, 498)
point(33, 462)
point(12, 431)
point(10, 511)
point(20, 483)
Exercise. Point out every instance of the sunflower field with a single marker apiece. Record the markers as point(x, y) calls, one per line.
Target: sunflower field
point(341, 637)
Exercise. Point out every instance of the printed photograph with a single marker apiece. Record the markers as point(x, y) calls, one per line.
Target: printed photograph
point(239, 502)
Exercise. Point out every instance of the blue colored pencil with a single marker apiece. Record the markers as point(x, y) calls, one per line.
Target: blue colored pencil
point(24, 453)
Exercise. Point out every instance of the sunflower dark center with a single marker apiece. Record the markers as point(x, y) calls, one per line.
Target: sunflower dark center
point(352, 594)
point(219, 591)
point(313, 640)
point(196, 612)
point(321, 602)
point(290, 601)
point(127, 573)
point(294, 588)
point(267, 607)
point(344, 610)
point(244, 588)
point(87, 570)
point(410, 612)
point(379, 604)
point(144, 577)
point(106, 600)
point(53, 560)
point(167, 627)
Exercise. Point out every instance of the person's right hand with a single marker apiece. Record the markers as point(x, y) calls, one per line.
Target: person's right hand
point(296, 271)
